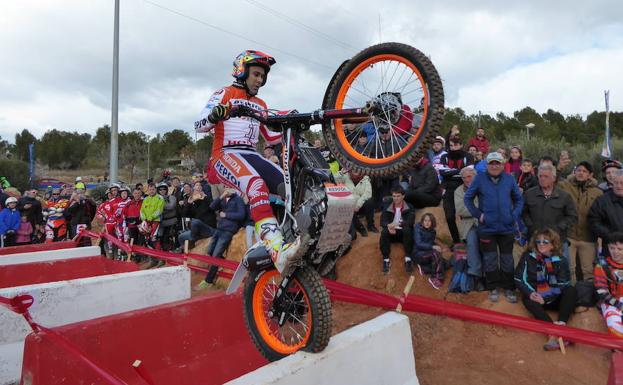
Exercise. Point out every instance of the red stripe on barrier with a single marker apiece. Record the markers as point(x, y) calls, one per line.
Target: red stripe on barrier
point(615, 376)
point(37, 247)
point(413, 303)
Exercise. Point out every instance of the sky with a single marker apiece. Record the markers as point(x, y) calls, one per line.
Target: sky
point(56, 56)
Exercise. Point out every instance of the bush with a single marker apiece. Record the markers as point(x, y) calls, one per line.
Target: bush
point(538, 147)
point(16, 171)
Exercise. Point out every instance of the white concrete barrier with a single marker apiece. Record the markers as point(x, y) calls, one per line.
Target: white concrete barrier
point(49, 255)
point(65, 302)
point(377, 352)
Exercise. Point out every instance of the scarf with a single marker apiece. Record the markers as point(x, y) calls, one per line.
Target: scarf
point(546, 282)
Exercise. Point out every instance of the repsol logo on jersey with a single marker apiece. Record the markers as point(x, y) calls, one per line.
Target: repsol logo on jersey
point(224, 172)
point(232, 162)
point(246, 103)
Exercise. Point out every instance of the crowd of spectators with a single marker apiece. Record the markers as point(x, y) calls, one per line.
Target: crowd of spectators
point(522, 224)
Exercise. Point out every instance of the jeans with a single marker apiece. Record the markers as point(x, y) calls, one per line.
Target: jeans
point(474, 259)
point(219, 243)
point(499, 266)
point(200, 230)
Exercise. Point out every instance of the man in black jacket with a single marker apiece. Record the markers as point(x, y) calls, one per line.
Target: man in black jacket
point(424, 189)
point(397, 222)
point(203, 223)
point(28, 205)
point(606, 213)
point(548, 206)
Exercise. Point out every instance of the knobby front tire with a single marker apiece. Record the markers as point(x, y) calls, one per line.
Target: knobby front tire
point(380, 69)
point(308, 316)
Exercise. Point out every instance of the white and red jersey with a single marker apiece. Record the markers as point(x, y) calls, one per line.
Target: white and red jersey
point(235, 132)
point(119, 212)
point(108, 210)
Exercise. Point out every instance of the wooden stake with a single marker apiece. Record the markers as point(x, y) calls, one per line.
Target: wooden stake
point(186, 252)
point(406, 292)
point(561, 343)
point(130, 252)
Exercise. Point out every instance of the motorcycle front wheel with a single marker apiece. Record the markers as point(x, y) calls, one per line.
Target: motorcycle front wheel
point(306, 311)
point(409, 109)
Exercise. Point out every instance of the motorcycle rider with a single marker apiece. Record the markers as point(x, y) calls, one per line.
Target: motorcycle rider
point(121, 230)
point(56, 224)
point(106, 212)
point(235, 161)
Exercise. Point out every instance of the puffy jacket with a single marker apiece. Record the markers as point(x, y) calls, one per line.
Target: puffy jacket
point(169, 211)
point(583, 195)
point(407, 215)
point(424, 179)
point(501, 203)
point(556, 212)
point(9, 220)
point(235, 213)
point(200, 209)
point(424, 240)
point(362, 191)
point(606, 215)
point(526, 272)
point(152, 207)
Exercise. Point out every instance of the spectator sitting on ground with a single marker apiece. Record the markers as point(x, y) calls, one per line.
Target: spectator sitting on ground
point(500, 205)
point(480, 141)
point(608, 168)
point(542, 275)
point(203, 222)
point(513, 166)
point(468, 230)
point(426, 253)
point(453, 162)
point(609, 284)
point(424, 189)
point(232, 216)
point(548, 206)
point(583, 190)
point(525, 177)
point(361, 188)
point(606, 213)
point(397, 223)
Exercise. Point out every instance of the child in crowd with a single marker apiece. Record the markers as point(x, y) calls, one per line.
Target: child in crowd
point(609, 284)
point(24, 232)
point(9, 222)
point(525, 177)
point(426, 253)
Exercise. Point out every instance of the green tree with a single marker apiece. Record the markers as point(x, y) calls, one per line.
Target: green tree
point(5, 147)
point(99, 148)
point(22, 140)
point(132, 150)
point(175, 141)
point(64, 150)
point(16, 171)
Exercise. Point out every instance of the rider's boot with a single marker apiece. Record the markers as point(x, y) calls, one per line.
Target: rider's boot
point(283, 254)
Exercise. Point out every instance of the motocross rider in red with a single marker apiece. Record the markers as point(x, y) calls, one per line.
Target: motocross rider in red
point(235, 161)
point(107, 211)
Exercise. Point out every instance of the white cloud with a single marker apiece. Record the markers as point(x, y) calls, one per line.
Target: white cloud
point(57, 65)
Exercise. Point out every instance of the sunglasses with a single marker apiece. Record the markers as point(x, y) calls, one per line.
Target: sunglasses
point(542, 242)
point(56, 194)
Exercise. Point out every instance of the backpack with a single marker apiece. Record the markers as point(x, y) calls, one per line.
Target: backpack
point(460, 282)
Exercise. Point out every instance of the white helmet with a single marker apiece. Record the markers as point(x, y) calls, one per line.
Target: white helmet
point(10, 200)
point(79, 179)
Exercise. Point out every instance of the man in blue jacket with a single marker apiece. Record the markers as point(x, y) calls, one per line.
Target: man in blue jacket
point(232, 216)
point(500, 205)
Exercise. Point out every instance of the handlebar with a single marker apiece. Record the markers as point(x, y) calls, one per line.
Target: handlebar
point(298, 119)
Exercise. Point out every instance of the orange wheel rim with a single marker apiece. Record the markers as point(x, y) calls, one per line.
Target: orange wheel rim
point(341, 96)
point(268, 328)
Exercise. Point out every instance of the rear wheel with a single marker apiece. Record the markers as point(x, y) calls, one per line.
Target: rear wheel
point(306, 309)
point(409, 98)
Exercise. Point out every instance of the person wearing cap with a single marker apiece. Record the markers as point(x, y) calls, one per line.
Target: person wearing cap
point(9, 222)
point(437, 151)
point(499, 209)
point(583, 190)
point(608, 168)
point(606, 213)
point(79, 184)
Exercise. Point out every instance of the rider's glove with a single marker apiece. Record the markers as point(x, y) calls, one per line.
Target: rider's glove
point(219, 112)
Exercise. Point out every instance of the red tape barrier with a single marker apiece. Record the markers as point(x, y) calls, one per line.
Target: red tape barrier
point(413, 303)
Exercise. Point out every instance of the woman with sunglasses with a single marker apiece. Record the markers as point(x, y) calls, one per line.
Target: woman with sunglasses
point(543, 277)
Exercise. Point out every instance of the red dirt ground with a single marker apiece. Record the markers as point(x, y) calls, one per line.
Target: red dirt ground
point(449, 351)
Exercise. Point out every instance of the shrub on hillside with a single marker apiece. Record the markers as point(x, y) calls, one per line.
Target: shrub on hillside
point(16, 171)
